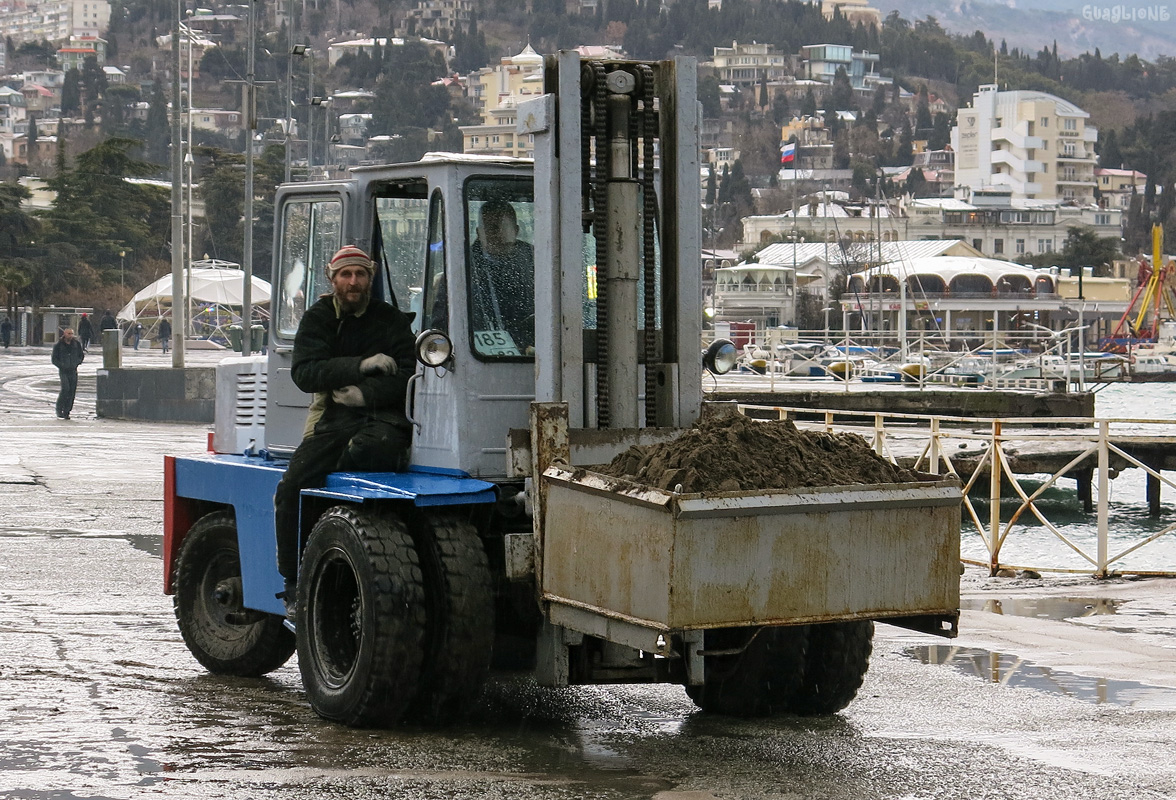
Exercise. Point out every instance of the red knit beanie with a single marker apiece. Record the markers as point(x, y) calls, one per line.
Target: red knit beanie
point(350, 256)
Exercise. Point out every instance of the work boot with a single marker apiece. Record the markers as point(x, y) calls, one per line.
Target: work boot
point(289, 596)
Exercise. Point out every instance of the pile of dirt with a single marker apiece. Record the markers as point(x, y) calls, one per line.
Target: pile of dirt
point(735, 453)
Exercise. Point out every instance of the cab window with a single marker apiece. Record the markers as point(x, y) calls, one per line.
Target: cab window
point(500, 259)
point(402, 217)
point(433, 310)
point(311, 233)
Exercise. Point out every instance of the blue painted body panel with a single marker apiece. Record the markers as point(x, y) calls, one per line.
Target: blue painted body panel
point(247, 483)
point(423, 486)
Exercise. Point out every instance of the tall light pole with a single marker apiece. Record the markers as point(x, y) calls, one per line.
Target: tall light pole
point(122, 263)
point(250, 127)
point(315, 102)
point(299, 50)
point(177, 200)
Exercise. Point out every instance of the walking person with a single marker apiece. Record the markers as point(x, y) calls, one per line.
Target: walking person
point(6, 332)
point(136, 334)
point(67, 356)
point(165, 333)
point(85, 332)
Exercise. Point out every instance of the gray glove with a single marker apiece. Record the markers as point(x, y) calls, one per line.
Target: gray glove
point(379, 364)
point(348, 396)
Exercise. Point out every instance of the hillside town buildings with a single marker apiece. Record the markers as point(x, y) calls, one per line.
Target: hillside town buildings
point(52, 20)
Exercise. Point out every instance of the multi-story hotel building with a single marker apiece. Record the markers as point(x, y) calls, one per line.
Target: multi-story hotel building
point(1038, 146)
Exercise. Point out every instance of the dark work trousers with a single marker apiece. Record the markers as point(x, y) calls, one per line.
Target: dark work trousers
point(69, 387)
point(370, 447)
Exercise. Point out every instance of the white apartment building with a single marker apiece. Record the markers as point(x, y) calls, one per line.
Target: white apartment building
point(53, 20)
point(1038, 146)
point(820, 62)
point(1003, 229)
point(746, 64)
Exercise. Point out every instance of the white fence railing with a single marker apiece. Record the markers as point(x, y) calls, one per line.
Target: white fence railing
point(1097, 448)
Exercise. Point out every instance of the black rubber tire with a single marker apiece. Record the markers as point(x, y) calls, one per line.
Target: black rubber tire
point(835, 665)
point(223, 636)
point(360, 618)
point(459, 603)
point(759, 682)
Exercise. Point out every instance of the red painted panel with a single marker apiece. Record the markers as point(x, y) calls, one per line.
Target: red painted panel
point(177, 519)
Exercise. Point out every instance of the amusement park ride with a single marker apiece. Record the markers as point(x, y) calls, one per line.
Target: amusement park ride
point(1155, 287)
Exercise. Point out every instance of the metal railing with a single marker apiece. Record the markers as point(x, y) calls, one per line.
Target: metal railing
point(1100, 448)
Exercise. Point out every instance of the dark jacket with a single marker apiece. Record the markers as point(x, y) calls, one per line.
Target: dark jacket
point(504, 292)
point(165, 330)
point(107, 322)
point(68, 355)
point(327, 352)
point(85, 329)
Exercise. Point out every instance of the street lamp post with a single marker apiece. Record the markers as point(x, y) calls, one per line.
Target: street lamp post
point(315, 102)
point(301, 51)
point(122, 259)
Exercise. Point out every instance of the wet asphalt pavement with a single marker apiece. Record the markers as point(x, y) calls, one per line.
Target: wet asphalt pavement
point(1075, 698)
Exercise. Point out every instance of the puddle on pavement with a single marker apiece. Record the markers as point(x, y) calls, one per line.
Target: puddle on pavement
point(1058, 608)
point(1011, 670)
point(147, 543)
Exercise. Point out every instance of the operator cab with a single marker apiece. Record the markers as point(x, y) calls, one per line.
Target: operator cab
point(452, 238)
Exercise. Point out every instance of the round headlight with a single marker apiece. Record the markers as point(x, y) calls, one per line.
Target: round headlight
point(433, 348)
point(720, 357)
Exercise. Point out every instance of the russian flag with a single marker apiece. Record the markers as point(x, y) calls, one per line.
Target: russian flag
point(787, 152)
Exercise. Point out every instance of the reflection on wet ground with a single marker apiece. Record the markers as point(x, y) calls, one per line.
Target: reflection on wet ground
point(1011, 670)
point(147, 543)
point(1058, 608)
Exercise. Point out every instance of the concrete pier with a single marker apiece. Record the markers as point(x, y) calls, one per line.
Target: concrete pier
point(906, 399)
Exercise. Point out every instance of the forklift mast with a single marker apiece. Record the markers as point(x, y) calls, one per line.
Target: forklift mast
point(617, 167)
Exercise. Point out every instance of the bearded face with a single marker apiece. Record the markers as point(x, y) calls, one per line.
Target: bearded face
point(353, 287)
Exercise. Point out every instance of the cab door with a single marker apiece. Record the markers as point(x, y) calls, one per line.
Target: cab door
point(310, 232)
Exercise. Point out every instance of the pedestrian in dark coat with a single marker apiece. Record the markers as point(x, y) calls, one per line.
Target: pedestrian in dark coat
point(165, 334)
point(6, 332)
point(85, 331)
point(67, 356)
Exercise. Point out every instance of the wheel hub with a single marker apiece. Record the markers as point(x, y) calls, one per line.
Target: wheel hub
point(228, 594)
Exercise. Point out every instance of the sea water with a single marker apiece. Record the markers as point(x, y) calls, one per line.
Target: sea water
point(1032, 544)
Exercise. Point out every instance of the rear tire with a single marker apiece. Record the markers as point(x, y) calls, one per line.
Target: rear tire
point(759, 682)
point(459, 601)
point(222, 634)
point(360, 618)
point(835, 666)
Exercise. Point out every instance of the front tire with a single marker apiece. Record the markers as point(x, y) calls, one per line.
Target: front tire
point(361, 618)
point(222, 634)
point(460, 611)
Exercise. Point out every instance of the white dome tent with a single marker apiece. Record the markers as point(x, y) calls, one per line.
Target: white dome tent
point(215, 288)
